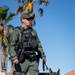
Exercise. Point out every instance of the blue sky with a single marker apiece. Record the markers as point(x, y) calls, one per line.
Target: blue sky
point(56, 30)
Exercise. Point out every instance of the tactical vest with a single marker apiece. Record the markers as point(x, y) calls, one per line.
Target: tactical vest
point(27, 40)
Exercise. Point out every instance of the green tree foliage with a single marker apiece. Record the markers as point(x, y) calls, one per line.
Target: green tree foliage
point(5, 17)
point(28, 6)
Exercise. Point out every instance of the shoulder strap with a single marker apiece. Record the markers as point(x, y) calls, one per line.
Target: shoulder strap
point(32, 31)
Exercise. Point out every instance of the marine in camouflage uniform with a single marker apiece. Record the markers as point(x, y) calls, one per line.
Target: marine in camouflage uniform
point(29, 65)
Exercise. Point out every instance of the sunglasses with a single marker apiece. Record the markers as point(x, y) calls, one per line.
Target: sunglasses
point(29, 19)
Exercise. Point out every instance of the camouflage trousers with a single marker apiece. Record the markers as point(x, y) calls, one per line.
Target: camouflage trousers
point(27, 67)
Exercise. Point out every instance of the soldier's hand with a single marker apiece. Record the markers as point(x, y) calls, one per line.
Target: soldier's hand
point(16, 61)
point(44, 59)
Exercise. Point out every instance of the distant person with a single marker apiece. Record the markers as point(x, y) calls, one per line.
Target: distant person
point(24, 47)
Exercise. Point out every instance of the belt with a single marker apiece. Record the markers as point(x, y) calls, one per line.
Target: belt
point(31, 57)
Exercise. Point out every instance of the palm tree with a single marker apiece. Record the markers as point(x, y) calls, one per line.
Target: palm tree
point(28, 6)
point(5, 17)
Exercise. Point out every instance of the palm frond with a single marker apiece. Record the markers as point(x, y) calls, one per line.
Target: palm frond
point(17, 1)
point(28, 6)
point(9, 18)
point(3, 14)
point(41, 11)
point(10, 27)
point(40, 2)
point(46, 2)
point(0, 38)
point(5, 41)
point(24, 1)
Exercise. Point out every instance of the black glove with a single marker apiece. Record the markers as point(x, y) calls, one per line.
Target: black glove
point(43, 63)
point(44, 60)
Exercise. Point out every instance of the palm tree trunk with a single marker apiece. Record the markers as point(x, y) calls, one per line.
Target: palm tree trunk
point(3, 59)
point(0, 57)
point(12, 67)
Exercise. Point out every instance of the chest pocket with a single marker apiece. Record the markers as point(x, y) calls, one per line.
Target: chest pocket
point(29, 40)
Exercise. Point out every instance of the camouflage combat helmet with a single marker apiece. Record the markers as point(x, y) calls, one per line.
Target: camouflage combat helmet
point(26, 16)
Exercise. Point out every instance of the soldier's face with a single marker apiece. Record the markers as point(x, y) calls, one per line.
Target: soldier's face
point(26, 22)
